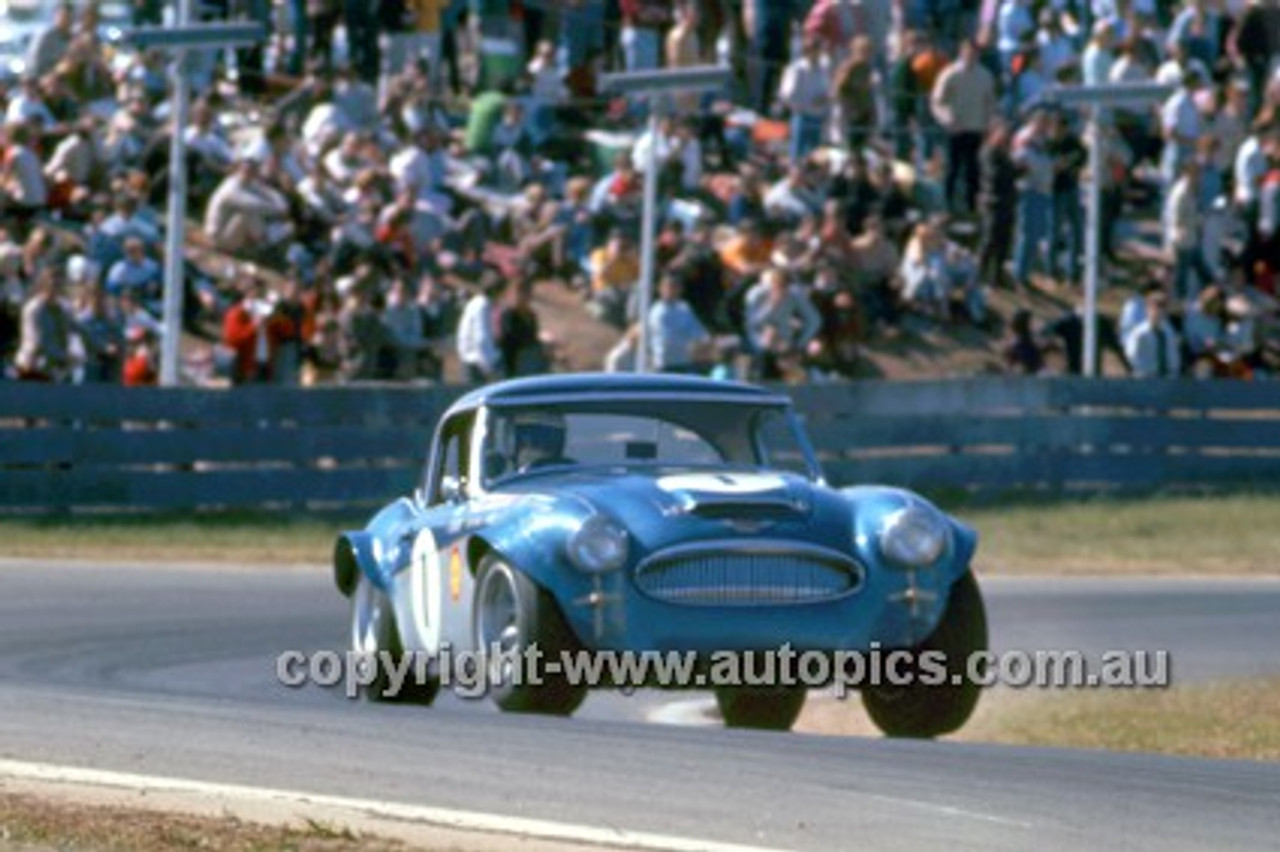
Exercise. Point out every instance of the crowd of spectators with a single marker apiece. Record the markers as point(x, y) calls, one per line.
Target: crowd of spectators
point(378, 190)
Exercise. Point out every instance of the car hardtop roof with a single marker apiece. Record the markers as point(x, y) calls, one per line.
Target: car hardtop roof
point(550, 388)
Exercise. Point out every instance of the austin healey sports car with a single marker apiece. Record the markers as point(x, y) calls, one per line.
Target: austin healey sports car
point(653, 514)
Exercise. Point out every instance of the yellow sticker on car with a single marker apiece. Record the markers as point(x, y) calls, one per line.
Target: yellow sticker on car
point(455, 574)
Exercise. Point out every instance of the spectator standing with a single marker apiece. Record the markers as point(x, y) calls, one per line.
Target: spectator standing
point(1154, 348)
point(477, 334)
point(904, 97)
point(683, 47)
point(1098, 56)
point(997, 202)
point(44, 350)
point(644, 27)
point(767, 25)
point(102, 336)
point(519, 335)
point(806, 93)
point(615, 268)
point(363, 40)
point(1066, 213)
point(1035, 200)
point(50, 46)
point(964, 103)
point(835, 23)
point(139, 368)
point(368, 349)
point(1015, 26)
point(854, 90)
point(23, 190)
point(1181, 125)
point(416, 36)
point(675, 332)
point(1182, 224)
point(1256, 42)
point(253, 329)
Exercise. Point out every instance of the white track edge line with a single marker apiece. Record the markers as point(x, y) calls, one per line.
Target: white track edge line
point(443, 817)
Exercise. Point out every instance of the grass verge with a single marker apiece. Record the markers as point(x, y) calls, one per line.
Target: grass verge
point(33, 824)
point(1233, 719)
point(1155, 535)
point(1234, 534)
point(235, 537)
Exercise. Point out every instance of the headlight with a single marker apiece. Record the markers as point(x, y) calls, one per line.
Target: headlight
point(914, 537)
point(599, 545)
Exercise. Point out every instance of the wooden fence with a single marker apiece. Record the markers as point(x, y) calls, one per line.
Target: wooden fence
point(74, 448)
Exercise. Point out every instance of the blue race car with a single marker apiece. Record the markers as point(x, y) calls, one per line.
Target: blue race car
point(655, 515)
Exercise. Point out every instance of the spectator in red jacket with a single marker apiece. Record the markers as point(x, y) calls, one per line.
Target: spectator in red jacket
point(140, 364)
point(254, 328)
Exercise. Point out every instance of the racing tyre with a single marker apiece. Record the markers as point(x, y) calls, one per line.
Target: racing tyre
point(512, 614)
point(373, 631)
point(923, 710)
point(769, 708)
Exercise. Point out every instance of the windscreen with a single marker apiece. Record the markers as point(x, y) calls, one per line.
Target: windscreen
point(630, 433)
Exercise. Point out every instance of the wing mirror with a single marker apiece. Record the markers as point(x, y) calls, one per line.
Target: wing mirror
point(452, 489)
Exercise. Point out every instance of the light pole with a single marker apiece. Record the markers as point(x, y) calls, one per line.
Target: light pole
point(652, 85)
point(179, 40)
point(1097, 99)
point(175, 224)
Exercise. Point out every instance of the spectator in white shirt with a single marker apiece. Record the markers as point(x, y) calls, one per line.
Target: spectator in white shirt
point(806, 92)
point(1181, 125)
point(1098, 58)
point(28, 105)
point(664, 150)
point(1057, 50)
point(23, 190)
point(675, 332)
point(1183, 223)
point(420, 165)
point(244, 214)
point(477, 334)
point(1153, 348)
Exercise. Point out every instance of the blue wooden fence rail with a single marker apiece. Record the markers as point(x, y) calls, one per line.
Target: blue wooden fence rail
point(65, 448)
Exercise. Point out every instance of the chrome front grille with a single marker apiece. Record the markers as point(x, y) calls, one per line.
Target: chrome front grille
point(748, 574)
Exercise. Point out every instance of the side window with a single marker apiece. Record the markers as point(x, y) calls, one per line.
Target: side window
point(452, 461)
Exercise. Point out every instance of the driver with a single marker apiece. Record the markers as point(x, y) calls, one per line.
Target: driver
point(540, 441)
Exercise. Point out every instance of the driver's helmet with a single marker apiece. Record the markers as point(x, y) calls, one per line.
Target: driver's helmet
point(539, 436)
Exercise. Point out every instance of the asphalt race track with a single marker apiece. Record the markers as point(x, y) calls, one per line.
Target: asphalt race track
point(172, 673)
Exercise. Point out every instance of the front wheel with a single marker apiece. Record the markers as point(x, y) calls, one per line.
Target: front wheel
point(769, 708)
point(513, 614)
point(374, 633)
point(923, 710)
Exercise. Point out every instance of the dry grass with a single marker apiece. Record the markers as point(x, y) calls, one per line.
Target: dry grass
point(1161, 535)
point(225, 539)
point(1227, 719)
point(31, 823)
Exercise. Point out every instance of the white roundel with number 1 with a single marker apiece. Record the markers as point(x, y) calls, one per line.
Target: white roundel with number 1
point(722, 483)
point(427, 589)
